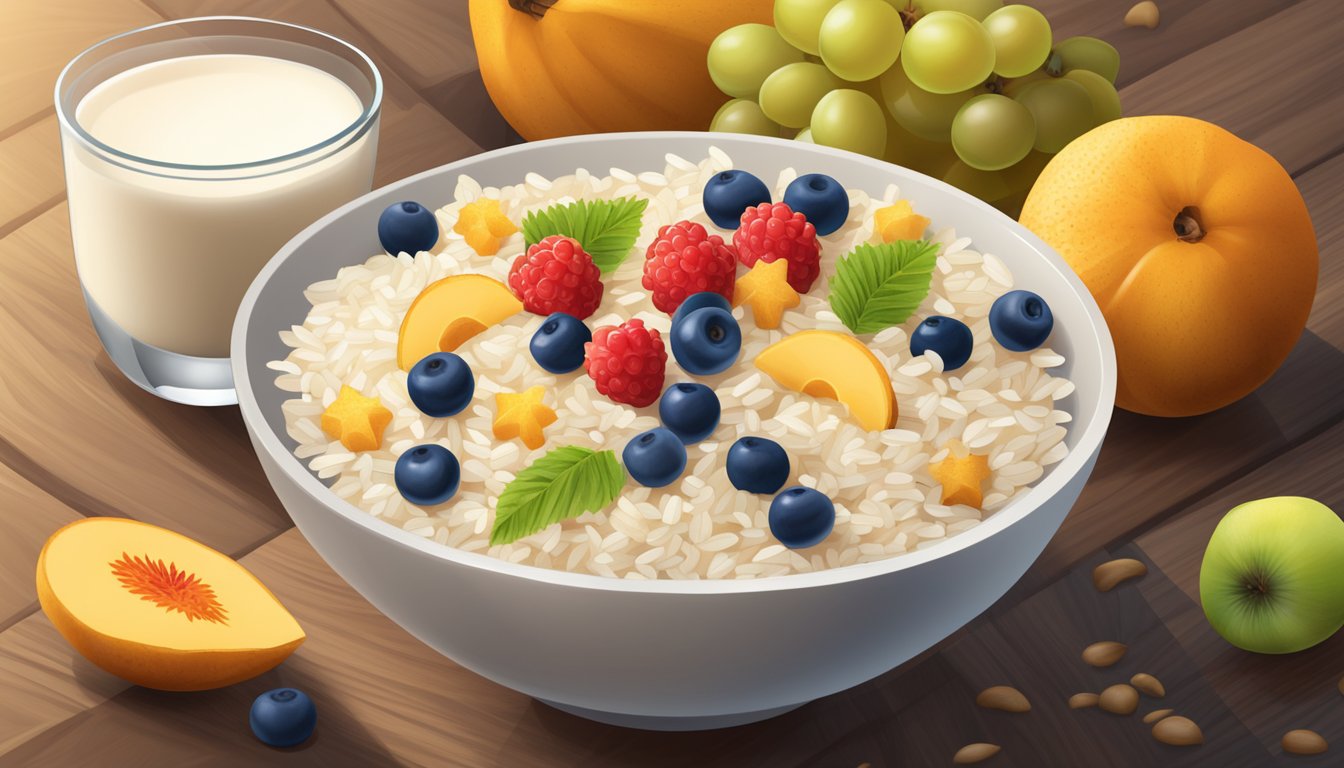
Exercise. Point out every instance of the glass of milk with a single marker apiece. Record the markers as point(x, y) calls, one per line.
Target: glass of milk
point(193, 151)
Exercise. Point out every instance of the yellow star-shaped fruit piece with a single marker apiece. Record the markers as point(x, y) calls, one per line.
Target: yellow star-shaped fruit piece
point(522, 415)
point(357, 421)
point(767, 291)
point(899, 221)
point(483, 225)
point(961, 475)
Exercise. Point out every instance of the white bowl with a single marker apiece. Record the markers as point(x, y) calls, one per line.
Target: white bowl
point(672, 654)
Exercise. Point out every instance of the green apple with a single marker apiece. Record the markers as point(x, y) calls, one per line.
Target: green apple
point(1273, 575)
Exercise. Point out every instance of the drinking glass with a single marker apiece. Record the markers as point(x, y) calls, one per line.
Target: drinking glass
point(166, 247)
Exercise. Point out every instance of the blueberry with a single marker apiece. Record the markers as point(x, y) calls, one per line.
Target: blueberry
point(654, 458)
point(557, 345)
point(730, 193)
point(284, 717)
point(801, 517)
point(690, 410)
point(427, 475)
point(947, 336)
point(441, 384)
point(757, 465)
point(408, 227)
point(700, 301)
point(706, 341)
point(821, 199)
point(1020, 321)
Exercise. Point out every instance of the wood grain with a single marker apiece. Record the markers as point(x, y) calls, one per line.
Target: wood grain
point(1270, 694)
point(1187, 26)
point(1042, 640)
point(1035, 646)
point(30, 516)
point(38, 37)
point(1292, 54)
point(458, 97)
point(414, 137)
point(1150, 468)
point(45, 682)
point(30, 172)
point(1323, 188)
point(428, 43)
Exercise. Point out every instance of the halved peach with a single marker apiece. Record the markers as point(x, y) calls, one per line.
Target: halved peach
point(159, 609)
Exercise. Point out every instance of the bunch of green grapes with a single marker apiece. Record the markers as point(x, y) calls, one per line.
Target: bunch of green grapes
point(974, 92)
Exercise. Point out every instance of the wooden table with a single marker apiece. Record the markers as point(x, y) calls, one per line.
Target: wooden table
point(77, 439)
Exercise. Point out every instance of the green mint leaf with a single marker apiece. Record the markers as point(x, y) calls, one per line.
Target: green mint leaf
point(566, 482)
point(878, 286)
point(605, 228)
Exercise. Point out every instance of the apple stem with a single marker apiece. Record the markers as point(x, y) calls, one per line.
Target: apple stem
point(1188, 226)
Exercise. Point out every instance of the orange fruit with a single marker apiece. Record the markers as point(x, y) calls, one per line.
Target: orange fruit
point(1197, 246)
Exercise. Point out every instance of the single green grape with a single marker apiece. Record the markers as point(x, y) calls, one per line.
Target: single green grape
point(1062, 109)
point(947, 52)
point(926, 115)
point(743, 116)
point(1088, 53)
point(852, 120)
point(976, 9)
point(799, 21)
point(791, 92)
point(860, 39)
point(1021, 36)
point(1105, 101)
point(992, 132)
point(741, 57)
point(804, 135)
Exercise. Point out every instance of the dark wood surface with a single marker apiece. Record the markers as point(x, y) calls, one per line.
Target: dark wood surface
point(76, 439)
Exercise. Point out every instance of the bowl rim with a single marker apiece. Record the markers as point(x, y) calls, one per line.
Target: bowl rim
point(1086, 447)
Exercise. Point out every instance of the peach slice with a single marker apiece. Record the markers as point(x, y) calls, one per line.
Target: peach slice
point(836, 366)
point(159, 609)
point(450, 311)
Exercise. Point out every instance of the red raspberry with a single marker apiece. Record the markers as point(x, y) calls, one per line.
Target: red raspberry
point(772, 231)
point(556, 275)
point(627, 362)
point(685, 259)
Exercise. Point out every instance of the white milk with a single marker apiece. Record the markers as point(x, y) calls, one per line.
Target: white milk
point(168, 259)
